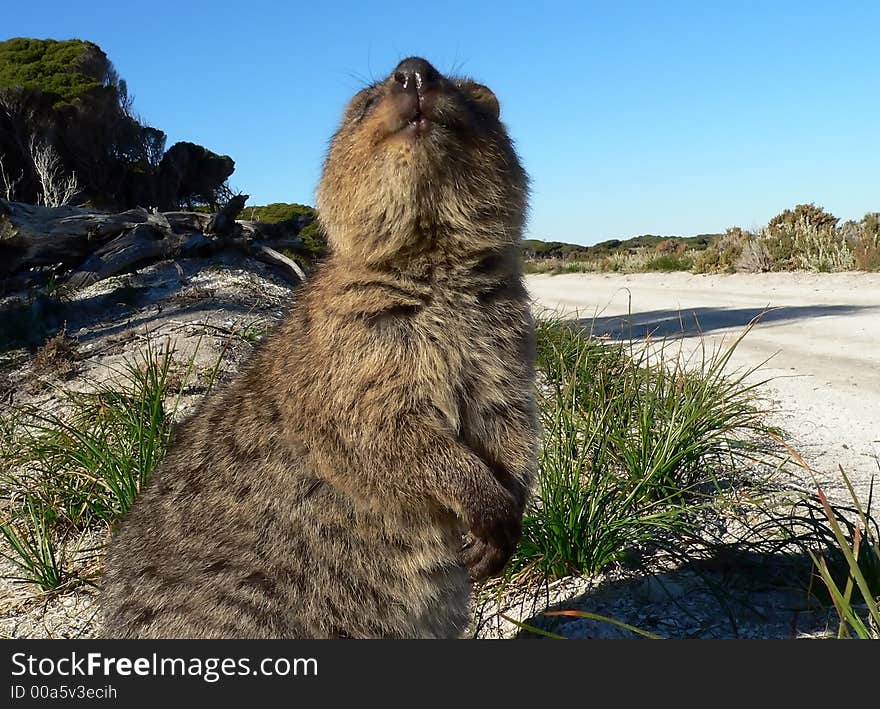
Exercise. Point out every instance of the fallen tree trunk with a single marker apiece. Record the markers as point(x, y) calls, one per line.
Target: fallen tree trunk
point(80, 247)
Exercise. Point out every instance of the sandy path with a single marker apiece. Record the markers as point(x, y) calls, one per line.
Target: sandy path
point(822, 335)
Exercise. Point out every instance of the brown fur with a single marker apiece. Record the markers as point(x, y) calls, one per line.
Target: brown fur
point(325, 492)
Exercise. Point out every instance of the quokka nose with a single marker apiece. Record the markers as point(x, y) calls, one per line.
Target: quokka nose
point(416, 75)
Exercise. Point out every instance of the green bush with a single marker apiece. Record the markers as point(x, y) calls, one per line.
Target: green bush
point(724, 254)
point(804, 238)
point(864, 237)
point(803, 214)
point(314, 241)
point(67, 69)
point(670, 262)
point(277, 212)
point(822, 249)
point(788, 233)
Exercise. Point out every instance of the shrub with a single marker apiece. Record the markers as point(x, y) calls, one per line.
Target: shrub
point(864, 238)
point(557, 266)
point(314, 241)
point(754, 258)
point(802, 244)
point(722, 256)
point(803, 238)
point(821, 249)
point(670, 246)
point(67, 69)
point(803, 214)
point(675, 261)
point(779, 245)
point(278, 212)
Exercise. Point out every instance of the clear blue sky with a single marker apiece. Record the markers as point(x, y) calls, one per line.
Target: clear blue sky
point(631, 117)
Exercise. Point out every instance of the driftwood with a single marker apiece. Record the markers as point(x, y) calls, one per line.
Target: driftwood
point(223, 222)
point(80, 247)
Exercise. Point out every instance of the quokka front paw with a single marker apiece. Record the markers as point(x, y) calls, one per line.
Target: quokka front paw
point(494, 532)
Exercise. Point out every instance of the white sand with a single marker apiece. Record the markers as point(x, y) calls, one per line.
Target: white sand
point(822, 337)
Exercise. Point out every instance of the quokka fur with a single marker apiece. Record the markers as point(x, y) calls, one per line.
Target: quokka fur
point(326, 491)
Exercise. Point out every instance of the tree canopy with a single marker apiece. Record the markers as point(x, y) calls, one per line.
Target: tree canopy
point(67, 97)
point(67, 69)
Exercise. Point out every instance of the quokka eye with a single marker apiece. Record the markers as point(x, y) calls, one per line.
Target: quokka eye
point(368, 105)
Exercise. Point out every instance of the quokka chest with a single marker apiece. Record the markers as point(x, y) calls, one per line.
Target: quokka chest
point(472, 359)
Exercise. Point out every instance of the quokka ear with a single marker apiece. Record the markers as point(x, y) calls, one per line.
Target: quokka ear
point(483, 97)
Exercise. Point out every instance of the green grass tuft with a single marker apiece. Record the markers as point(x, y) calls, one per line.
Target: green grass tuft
point(62, 473)
point(859, 545)
point(633, 441)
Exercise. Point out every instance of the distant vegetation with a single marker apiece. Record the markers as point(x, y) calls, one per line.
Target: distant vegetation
point(806, 238)
point(68, 134)
point(532, 248)
point(68, 70)
point(313, 239)
point(640, 253)
point(277, 212)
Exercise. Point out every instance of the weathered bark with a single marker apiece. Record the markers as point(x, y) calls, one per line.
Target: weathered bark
point(82, 246)
point(270, 255)
point(223, 222)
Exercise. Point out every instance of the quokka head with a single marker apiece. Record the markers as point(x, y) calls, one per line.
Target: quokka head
point(421, 161)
